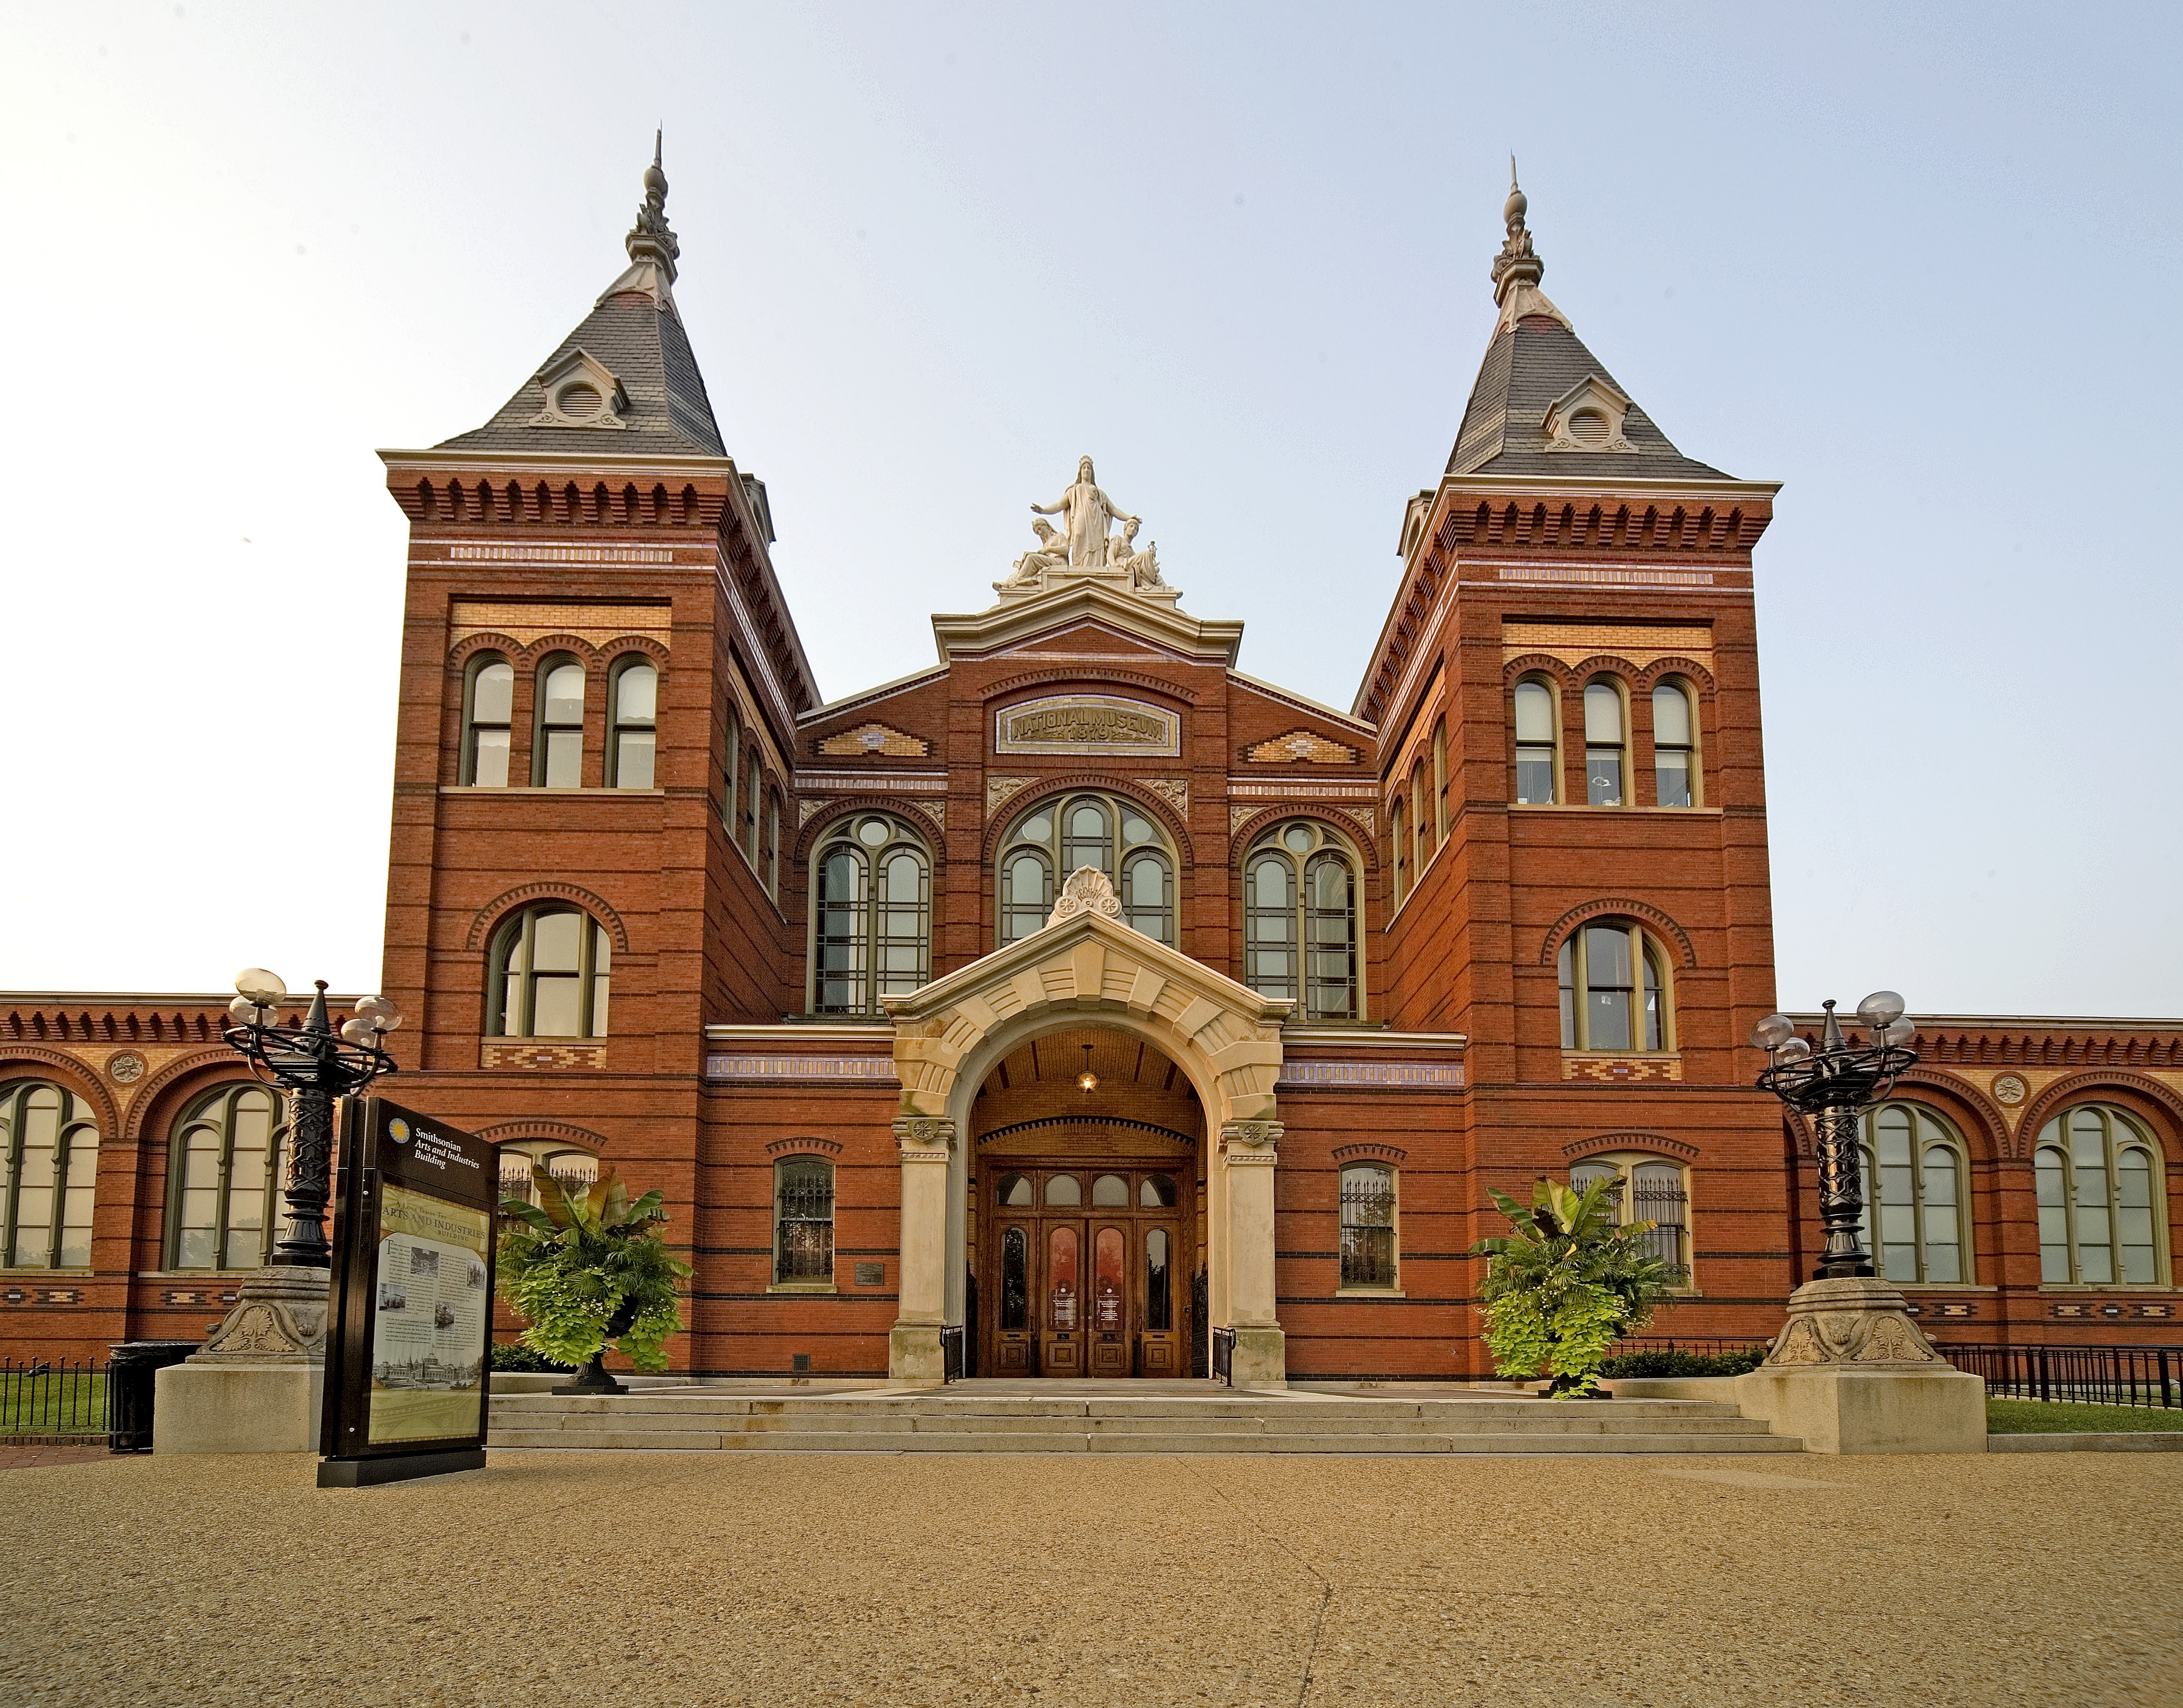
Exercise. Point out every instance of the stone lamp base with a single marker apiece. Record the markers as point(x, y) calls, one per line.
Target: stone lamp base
point(259, 1382)
point(1850, 1373)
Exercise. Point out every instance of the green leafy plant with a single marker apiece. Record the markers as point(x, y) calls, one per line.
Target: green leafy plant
point(1673, 1362)
point(514, 1356)
point(1565, 1285)
point(587, 1268)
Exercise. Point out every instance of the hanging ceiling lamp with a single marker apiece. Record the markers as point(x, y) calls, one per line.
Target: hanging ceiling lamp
point(1087, 1080)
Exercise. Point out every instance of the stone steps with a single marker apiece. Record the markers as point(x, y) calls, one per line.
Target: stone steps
point(1212, 1420)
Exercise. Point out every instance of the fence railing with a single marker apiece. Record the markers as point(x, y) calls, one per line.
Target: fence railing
point(52, 1396)
point(1224, 1356)
point(950, 1353)
point(2148, 1376)
point(1689, 1343)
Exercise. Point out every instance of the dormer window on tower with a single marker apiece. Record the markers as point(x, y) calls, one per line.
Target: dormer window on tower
point(1588, 417)
point(580, 392)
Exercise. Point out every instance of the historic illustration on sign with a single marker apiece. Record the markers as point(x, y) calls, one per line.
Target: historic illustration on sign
point(429, 1334)
point(1087, 723)
point(1087, 545)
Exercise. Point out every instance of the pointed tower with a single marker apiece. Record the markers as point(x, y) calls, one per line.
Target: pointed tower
point(1573, 797)
point(594, 782)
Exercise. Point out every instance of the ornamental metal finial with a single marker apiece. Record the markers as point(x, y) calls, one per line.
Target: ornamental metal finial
point(1516, 269)
point(650, 239)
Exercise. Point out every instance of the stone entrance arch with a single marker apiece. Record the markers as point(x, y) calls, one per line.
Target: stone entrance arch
point(1088, 970)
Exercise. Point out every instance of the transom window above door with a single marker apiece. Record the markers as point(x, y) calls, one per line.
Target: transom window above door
point(1108, 832)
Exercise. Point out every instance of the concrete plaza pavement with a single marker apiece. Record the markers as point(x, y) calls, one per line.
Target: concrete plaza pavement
point(675, 1578)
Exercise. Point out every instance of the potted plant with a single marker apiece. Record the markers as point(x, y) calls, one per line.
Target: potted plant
point(586, 1268)
point(1565, 1285)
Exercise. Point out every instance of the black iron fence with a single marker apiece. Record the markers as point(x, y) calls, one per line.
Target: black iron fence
point(1224, 1356)
point(1711, 1345)
point(950, 1353)
point(2149, 1376)
point(52, 1396)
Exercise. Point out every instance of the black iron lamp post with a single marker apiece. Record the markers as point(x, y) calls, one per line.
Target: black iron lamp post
point(316, 1065)
point(1834, 1084)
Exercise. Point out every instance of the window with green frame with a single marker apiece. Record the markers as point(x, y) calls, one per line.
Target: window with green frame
point(51, 1144)
point(1614, 989)
point(1916, 1188)
point(548, 975)
point(1110, 832)
point(223, 1172)
point(871, 914)
point(2101, 1195)
point(1300, 919)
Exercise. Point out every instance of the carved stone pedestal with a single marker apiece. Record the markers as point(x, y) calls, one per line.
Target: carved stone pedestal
point(1850, 1373)
point(1259, 1360)
point(257, 1385)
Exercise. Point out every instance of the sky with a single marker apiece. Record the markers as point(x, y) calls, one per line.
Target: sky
point(1920, 264)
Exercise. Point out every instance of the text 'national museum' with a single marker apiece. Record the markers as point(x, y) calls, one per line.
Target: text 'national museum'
point(1081, 990)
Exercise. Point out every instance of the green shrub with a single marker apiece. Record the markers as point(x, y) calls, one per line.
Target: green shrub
point(514, 1356)
point(587, 1270)
point(1638, 1364)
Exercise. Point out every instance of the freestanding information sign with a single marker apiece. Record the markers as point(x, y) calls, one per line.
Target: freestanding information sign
point(407, 1363)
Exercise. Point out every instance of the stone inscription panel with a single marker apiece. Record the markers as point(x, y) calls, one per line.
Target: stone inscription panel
point(1088, 724)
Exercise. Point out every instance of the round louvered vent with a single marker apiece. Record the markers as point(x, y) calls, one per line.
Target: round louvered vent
point(579, 401)
point(1588, 427)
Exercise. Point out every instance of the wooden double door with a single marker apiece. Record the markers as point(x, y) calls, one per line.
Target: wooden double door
point(1086, 1270)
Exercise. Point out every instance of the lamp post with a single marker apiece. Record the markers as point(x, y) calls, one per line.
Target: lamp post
point(316, 1065)
point(1834, 1084)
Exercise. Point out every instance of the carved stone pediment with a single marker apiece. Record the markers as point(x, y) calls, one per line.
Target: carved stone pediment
point(1087, 890)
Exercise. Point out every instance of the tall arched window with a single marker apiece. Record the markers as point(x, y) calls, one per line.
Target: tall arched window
point(1421, 834)
point(753, 787)
point(224, 1170)
point(51, 1143)
point(1647, 1189)
point(803, 1222)
point(632, 731)
point(1674, 746)
point(488, 714)
point(1398, 843)
point(773, 843)
point(731, 775)
point(1368, 1225)
point(1537, 724)
point(1602, 743)
point(1614, 990)
point(1440, 782)
point(2101, 1200)
point(1300, 920)
point(1110, 832)
point(1916, 1180)
point(871, 914)
point(557, 747)
point(549, 975)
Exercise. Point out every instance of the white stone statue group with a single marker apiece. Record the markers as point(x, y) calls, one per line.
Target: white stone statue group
point(1083, 543)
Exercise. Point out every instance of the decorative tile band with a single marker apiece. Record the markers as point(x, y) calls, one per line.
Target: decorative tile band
point(1614, 1070)
point(199, 1295)
point(559, 554)
point(1434, 1076)
point(591, 1056)
point(1608, 578)
point(732, 1068)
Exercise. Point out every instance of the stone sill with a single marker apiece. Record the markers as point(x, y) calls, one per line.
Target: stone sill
point(526, 789)
point(84, 1274)
point(201, 1277)
point(1369, 1292)
point(808, 1289)
point(2091, 1288)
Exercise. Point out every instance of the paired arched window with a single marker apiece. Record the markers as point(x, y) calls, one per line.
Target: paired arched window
point(1368, 1225)
point(548, 977)
point(871, 915)
point(557, 742)
point(488, 719)
point(1614, 989)
point(1674, 746)
point(51, 1144)
point(1300, 920)
point(1647, 1189)
point(632, 725)
point(224, 1173)
point(1535, 711)
point(1917, 1186)
point(803, 1222)
point(1110, 832)
point(567, 1164)
point(1604, 725)
point(2100, 1200)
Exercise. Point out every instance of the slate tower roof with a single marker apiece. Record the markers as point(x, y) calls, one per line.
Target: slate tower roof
point(1544, 404)
point(630, 353)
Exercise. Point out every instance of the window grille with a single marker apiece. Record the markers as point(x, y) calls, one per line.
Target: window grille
point(803, 1196)
point(1368, 1227)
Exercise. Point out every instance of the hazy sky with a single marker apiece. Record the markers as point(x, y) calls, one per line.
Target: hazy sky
point(1920, 264)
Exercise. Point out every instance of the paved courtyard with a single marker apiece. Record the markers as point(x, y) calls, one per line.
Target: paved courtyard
point(701, 1578)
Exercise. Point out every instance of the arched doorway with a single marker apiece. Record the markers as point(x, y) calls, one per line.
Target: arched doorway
point(1086, 1229)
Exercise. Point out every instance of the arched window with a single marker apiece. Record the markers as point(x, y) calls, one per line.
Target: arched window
point(773, 843)
point(1368, 1225)
point(803, 1221)
point(752, 786)
point(1537, 739)
point(1647, 1189)
point(549, 975)
point(871, 915)
point(557, 747)
point(1674, 746)
point(51, 1144)
point(1300, 920)
point(566, 1163)
point(1421, 835)
point(1110, 832)
point(1399, 844)
point(1614, 989)
point(1440, 782)
point(223, 1171)
point(2101, 1200)
point(488, 714)
point(1602, 743)
point(632, 731)
point(731, 775)
point(1916, 1180)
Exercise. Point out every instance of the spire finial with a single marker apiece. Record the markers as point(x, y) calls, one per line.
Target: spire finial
point(1516, 269)
point(651, 245)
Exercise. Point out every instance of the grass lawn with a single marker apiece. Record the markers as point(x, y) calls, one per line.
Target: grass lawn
point(2067, 1417)
point(59, 1403)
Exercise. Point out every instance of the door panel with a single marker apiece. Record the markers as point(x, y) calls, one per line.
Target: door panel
point(1159, 1343)
point(1015, 1345)
point(1110, 1301)
point(1061, 1342)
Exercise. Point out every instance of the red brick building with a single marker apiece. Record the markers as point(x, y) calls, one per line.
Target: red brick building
point(820, 970)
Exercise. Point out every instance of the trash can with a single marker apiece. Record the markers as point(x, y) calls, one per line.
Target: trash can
point(132, 1371)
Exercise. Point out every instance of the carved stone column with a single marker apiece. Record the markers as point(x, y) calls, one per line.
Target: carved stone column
point(258, 1384)
point(927, 1144)
point(1850, 1373)
point(1247, 1156)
